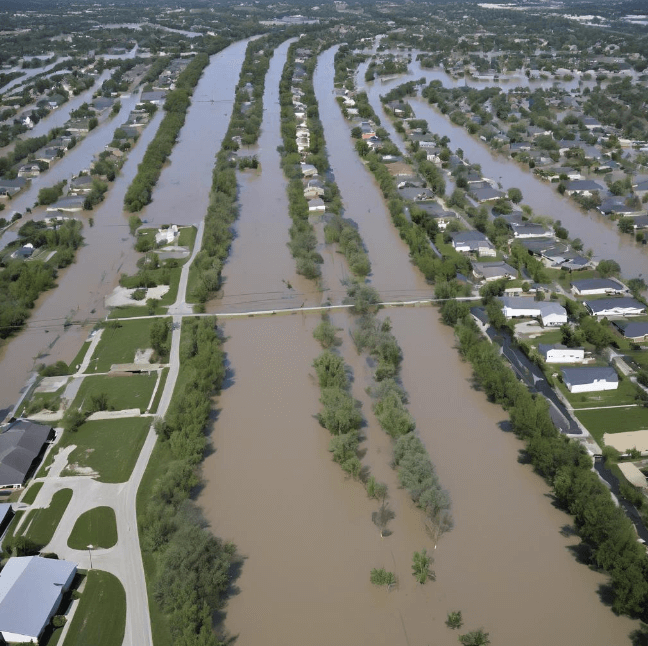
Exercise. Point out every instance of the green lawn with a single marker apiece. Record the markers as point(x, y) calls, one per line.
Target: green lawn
point(100, 618)
point(552, 336)
point(160, 390)
point(79, 357)
point(40, 524)
point(31, 493)
point(119, 344)
point(187, 237)
point(96, 527)
point(624, 394)
point(109, 447)
point(11, 530)
point(124, 391)
point(38, 401)
point(640, 357)
point(614, 420)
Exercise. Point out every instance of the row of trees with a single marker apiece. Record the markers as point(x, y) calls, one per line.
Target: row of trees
point(192, 566)
point(140, 191)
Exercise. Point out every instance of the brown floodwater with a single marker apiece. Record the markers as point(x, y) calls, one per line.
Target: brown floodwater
point(306, 531)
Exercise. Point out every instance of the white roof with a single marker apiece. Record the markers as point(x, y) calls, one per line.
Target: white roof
point(30, 588)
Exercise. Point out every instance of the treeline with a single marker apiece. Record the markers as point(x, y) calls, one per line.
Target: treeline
point(139, 193)
point(21, 283)
point(303, 241)
point(604, 529)
point(401, 91)
point(341, 414)
point(416, 472)
point(191, 570)
point(345, 234)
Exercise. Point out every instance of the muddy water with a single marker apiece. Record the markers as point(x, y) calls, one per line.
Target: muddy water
point(595, 230)
point(182, 192)
point(77, 159)
point(108, 251)
point(260, 273)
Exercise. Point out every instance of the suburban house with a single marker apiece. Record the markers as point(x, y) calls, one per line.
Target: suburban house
point(473, 242)
point(29, 170)
point(155, 97)
point(559, 353)
point(9, 187)
point(624, 306)
point(70, 204)
point(633, 330)
point(485, 194)
point(489, 271)
point(590, 379)
point(591, 286)
point(31, 591)
point(584, 187)
point(551, 314)
point(24, 252)
point(528, 230)
point(20, 445)
point(316, 206)
point(82, 184)
point(308, 170)
point(167, 236)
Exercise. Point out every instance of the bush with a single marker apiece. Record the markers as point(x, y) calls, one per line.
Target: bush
point(382, 577)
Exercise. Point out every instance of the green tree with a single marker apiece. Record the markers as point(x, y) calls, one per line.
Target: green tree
point(515, 195)
point(382, 577)
point(608, 268)
point(475, 638)
point(421, 562)
point(325, 333)
point(454, 620)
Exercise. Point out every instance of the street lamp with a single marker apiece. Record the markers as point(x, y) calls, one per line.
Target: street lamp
point(90, 548)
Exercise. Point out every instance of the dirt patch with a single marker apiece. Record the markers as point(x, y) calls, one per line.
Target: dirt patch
point(143, 356)
point(624, 441)
point(123, 296)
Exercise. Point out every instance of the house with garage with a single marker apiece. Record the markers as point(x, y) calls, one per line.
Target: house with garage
point(590, 379)
point(21, 444)
point(489, 271)
point(69, 204)
point(316, 206)
point(549, 313)
point(473, 242)
point(9, 187)
point(559, 353)
point(594, 286)
point(528, 230)
point(635, 331)
point(583, 187)
point(31, 591)
point(623, 306)
point(155, 97)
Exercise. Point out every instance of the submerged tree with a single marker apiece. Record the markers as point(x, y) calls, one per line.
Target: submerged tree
point(421, 566)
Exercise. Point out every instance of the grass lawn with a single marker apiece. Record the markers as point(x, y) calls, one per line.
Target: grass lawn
point(124, 391)
point(110, 447)
point(640, 357)
point(614, 420)
point(160, 390)
point(624, 394)
point(552, 336)
point(119, 344)
point(100, 618)
point(38, 401)
point(187, 237)
point(31, 493)
point(79, 357)
point(40, 524)
point(11, 530)
point(169, 298)
point(96, 527)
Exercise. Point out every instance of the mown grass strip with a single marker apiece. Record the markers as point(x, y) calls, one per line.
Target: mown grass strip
point(96, 527)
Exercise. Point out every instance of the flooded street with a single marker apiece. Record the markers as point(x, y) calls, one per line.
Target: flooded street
point(181, 195)
point(595, 230)
point(305, 530)
point(260, 272)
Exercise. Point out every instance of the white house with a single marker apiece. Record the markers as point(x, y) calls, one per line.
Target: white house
point(167, 236)
point(551, 314)
point(559, 353)
point(489, 271)
point(593, 286)
point(473, 241)
point(624, 306)
point(587, 380)
point(316, 206)
point(31, 590)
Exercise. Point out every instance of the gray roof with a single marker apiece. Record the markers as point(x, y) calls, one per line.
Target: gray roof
point(30, 591)
point(468, 236)
point(20, 445)
point(494, 269)
point(487, 193)
point(597, 283)
point(588, 375)
point(19, 182)
point(632, 329)
point(5, 508)
point(624, 302)
point(583, 185)
point(153, 96)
